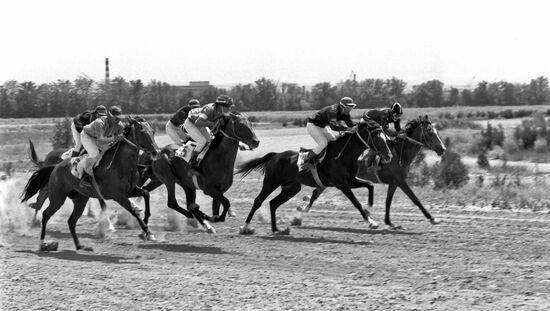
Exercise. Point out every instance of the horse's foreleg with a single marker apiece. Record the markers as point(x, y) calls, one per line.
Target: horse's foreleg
point(226, 205)
point(104, 216)
point(125, 202)
point(389, 198)
point(408, 191)
point(140, 192)
point(194, 209)
point(346, 189)
point(79, 204)
point(314, 196)
point(56, 201)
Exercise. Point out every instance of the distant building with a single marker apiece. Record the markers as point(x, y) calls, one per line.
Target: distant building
point(196, 87)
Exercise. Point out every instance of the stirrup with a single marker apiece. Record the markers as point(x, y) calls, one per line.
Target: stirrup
point(86, 181)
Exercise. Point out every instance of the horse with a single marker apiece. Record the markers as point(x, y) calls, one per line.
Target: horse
point(115, 178)
point(216, 169)
point(53, 157)
point(337, 169)
point(420, 133)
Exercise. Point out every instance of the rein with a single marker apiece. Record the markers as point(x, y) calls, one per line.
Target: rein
point(361, 139)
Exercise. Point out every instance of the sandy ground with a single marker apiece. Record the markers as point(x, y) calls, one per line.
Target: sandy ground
point(477, 259)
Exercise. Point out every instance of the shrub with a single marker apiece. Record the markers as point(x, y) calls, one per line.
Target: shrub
point(451, 172)
point(541, 145)
point(507, 114)
point(482, 161)
point(62, 136)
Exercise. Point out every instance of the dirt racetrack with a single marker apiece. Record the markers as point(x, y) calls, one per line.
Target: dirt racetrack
point(477, 259)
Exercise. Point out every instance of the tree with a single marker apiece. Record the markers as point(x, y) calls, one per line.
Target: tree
point(323, 94)
point(538, 91)
point(266, 98)
point(428, 94)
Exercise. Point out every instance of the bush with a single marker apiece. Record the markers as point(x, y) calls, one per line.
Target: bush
point(62, 136)
point(507, 114)
point(541, 145)
point(451, 172)
point(482, 161)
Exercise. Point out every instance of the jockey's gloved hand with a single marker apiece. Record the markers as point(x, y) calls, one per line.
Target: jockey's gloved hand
point(402, 135)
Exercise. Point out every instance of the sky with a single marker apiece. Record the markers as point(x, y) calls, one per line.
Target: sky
point(459, 42)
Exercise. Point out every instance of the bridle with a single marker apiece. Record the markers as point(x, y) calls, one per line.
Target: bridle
point(133, 131)
point(369, 139)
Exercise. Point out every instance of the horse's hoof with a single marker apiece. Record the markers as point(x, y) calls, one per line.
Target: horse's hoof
point(151, 237)
point(284, 232)
point(373, 225)
point(112, 229)
point(304, 209)
point(246, 231)
point(231, 213)
point(211, 230)
point(48, 246)
point(85, 248)
point(434, 221)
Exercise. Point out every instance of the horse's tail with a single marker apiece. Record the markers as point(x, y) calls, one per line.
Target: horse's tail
point(33, 156)
point(37, 181)
point(254, 164)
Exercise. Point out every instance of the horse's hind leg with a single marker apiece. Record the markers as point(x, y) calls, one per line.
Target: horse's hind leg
point(389, 198)
point(79, 202)
point(349, 194)
point(194, 209)
point(40, 199)
point(56, 201)
point(104, 216)
point(146, 198)
point(314, 196)
point(287, 192)
point(267, 189)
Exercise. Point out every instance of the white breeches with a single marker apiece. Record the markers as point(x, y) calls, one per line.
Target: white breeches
point(201, 135)
point(76, 138)
point(89, 144)
point(176, 133)
point(320, 135)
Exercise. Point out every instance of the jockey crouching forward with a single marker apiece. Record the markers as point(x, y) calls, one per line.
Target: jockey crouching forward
point(174, 126)
point(384, 117)
point(99, 136)
point(199, 120)
point(82, 120)
point(321, 124)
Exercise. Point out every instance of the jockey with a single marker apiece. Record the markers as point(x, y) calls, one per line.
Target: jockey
point(321, 124)
point(174, 126)
point(82, 120)
point(99, 136)
point(384, 117)
point(199, 120)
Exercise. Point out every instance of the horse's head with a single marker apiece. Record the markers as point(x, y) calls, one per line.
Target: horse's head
point(139, 132)
point(237, 126)
point(374, 138)
point(424, 131)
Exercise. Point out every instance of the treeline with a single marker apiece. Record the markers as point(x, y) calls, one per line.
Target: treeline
point(67, 98)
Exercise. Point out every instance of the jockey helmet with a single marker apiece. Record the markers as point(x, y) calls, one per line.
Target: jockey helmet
point(100, 110)
point(396, 108)
point(115, 111)
point(348, 102)
point(224, 100)
point(194, 103)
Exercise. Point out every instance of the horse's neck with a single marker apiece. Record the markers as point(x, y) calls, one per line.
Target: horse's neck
point(127, 153)
point(407, 151)
point(352, 149)
point(225, 152)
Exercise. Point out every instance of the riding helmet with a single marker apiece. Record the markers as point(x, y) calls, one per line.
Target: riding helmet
point(194, 103)
point(100, 110)
point(348, 102)
point(396, 108)
point(115, 111)
point(224, 100)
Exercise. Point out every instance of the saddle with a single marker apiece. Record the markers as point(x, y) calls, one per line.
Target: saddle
point(302, 154)
point(184, 152)
point(79, 166)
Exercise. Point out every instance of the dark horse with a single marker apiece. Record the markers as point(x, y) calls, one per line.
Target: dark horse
point(116, 177)
point(420, 133)
point(338, 169)
point(216, 169)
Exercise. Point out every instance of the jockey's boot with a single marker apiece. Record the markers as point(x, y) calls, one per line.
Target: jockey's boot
point(85, 181)
point(193, 163)
point(310, 157)
point(75, 153)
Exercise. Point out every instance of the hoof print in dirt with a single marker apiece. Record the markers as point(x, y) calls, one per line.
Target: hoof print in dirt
point(48, 246)
point(296, 221)
point(246, 231)
point(283, 232)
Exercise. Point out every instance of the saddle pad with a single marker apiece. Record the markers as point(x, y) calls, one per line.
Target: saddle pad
point(302, 155)
point(67, 154)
